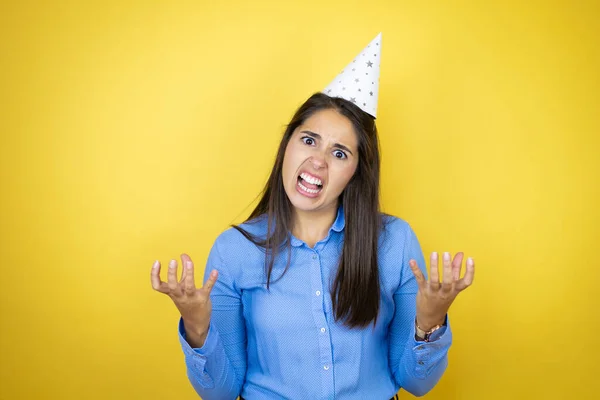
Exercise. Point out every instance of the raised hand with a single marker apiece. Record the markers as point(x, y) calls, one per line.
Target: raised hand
point(434, 297)
point(193, 304)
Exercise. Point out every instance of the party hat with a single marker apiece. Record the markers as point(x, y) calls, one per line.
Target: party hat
point(359, 81)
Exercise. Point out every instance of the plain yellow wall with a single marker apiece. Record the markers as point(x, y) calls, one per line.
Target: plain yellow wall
point(133, 131)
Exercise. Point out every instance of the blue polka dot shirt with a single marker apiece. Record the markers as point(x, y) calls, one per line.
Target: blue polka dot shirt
point(285, 343)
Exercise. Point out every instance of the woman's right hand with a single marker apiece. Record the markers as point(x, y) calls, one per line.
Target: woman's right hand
point(193, 304)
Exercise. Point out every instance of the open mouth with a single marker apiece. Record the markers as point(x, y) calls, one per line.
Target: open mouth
point(309, 185)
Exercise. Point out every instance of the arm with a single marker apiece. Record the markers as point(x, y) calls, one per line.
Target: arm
point(416, 366)
point(217, 369)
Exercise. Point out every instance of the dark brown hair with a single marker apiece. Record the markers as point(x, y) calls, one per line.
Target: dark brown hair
point(355, 292)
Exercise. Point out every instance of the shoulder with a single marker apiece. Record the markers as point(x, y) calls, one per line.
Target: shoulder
point(394, 226)
point(239, 235)
point(234, 245)
point(396, 233)
point(236, 257)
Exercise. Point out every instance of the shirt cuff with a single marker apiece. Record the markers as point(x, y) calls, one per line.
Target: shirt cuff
point(209, 344)
point(427, 355)
point(195, 358)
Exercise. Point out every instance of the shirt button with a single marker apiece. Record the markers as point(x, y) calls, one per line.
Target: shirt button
point(318, 292)
point(326, 367)
point(420, 362)
point(322, 330)
point(314, 256)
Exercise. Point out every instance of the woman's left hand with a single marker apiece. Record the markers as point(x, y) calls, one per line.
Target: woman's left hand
point(434, 297)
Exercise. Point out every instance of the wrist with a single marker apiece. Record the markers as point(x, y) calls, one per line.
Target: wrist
point(195, 335)
point(428, 324)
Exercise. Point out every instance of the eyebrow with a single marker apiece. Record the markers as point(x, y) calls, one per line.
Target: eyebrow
point(317, 136)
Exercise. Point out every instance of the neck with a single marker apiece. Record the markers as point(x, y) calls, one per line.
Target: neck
point(313, 226)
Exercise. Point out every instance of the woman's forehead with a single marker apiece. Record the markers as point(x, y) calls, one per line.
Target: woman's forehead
point(330, 124)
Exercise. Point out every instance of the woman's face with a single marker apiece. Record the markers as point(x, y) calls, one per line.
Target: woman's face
point(320, 159)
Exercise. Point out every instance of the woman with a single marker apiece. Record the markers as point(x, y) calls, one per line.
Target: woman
point(334, 302)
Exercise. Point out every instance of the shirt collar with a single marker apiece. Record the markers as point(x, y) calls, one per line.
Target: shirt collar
point(338, 226)
point(340, 220)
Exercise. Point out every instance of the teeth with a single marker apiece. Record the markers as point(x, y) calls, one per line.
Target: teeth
point(313, 191)
point(310, 179)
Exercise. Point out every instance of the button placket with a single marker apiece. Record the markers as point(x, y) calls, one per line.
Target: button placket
point(319, 314)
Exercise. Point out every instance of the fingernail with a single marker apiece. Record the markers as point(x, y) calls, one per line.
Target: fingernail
point(434, 255)
point(172, 264)
point(469, 261)
point(446, 256)
point(213, 273)
point(155, 265)
point(188, 264)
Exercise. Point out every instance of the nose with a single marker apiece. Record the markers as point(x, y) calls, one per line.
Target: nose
point(318, 162)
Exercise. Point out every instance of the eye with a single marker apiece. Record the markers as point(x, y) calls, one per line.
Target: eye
point(308, 140)
point(340, 154)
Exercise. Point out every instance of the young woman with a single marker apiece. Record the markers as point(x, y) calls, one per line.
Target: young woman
point(334, 302)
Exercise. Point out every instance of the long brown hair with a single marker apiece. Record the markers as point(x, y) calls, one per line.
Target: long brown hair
point(355, 292)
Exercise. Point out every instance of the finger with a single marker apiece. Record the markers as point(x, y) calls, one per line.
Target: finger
point(184, 259)
point(434, 275)
point(467, 280)
point(210, 282)
point(447, 272)
point(457, 265)
point(172, 276)
point(421, 281)
point(157, 284)
point(190, 285)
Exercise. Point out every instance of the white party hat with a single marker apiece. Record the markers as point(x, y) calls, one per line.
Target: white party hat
point(359, 81)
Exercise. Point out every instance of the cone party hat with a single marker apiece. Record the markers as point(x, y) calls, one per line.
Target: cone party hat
point(359, 81)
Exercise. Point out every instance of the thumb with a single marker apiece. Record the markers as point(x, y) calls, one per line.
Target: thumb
point(421, 281)
point(210, 282)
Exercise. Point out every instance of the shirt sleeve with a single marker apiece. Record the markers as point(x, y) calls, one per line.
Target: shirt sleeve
point(217, 369)
point(417, 366)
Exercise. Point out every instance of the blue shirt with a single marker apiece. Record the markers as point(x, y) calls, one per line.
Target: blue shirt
point(285, 344)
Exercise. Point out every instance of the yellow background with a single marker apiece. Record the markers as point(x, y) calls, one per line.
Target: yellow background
point(133, 131)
